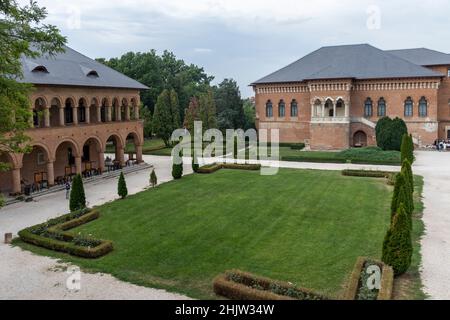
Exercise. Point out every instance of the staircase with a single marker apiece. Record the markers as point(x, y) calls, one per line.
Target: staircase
point(364, 121)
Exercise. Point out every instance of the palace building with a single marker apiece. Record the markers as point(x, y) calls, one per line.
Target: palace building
point(332, 98)
point(79, 108)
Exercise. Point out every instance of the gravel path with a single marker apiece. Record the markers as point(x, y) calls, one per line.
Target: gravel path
point(435, 168)
point(24, 275)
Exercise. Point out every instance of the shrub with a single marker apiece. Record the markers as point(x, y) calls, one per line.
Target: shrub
point(389, 133)
point(239, 285)
point(195, 164)
point(297, 146)
point(241, 166)
point(153, 178)
point(366, 173)
point(209, 168)
point(407, 172)
point(122, 190)
point(177, 170)
point(399, 183)
point(397, 245)
point(2, 200)
point(77, 196)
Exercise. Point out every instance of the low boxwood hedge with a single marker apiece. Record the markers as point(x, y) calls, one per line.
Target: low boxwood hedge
point(239, 285)
point(355, 288)
point(52, 235)
point(213, 167)
point(366, 173)
point(209, 168)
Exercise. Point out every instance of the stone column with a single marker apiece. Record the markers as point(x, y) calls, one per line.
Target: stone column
point(88, 115)
point(50, 173)
point(136, 112)
point(16, 187)
point(323, 110)
point(313, 111)
point(334, 109)
point(118, 113)
point(75, 115)
point(78, 164)
point(99, 114)
point(127, 113)
point(121, 155)
point(347, 109)
point(61, 116)
point(47, 117)
point(139, 154)
point(108, 113)
point(101, 162)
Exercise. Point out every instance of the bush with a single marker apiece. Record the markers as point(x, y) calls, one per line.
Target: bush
point(52, 235)
point(366, 173)
point(397, 245)
point(195, 164)
point(297, 146)
point(209, 168)
point(389, 133)
point(177, 170)
point(122, 190)
point(238, 285)
point(153, 178)
point(2, 200)
point(407, 172)
point(77, 196)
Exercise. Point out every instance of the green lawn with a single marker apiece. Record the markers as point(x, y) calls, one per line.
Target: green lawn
point(303, 226)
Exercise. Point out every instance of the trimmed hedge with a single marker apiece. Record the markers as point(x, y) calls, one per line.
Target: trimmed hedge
point(366, 173)
point(313, 159)
point(239, 285)
point(210, 168)
point(51, 235)
point(387, 280)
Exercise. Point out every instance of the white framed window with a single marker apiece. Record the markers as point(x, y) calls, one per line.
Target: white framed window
point(448, 72)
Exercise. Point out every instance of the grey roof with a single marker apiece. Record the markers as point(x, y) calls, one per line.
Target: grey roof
point(74, 69)
point(423, 56)
point(360, 61)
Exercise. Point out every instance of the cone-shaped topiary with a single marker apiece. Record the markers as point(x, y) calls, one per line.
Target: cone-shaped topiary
point(404, 149)
point(411, 157)
point(407, 172)
point(177, 170)
point(77, 197)
point(153, 178)
point(397, 245)
point(122, 190)
point(195, 165)
point(399, 182)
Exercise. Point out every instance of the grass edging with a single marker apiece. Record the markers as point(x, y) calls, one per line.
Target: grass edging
point(51, 235)
point(239, 285)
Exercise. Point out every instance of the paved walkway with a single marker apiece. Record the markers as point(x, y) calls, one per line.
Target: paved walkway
point(435, 168)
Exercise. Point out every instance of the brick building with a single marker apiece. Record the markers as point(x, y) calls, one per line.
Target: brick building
point(333, 97)
point(79, 107)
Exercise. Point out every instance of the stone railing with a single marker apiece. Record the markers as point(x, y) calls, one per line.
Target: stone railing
point(330, 120)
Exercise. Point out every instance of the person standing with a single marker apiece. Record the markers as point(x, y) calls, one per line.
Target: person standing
point(67, 189)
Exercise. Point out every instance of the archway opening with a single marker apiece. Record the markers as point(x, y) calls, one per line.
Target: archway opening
point(360, 139)
point(132, 142)
point(134, 114)
point(55, 106)
point(317, 108)
point(115, 110)
point(340, 108)
point(82, 110)
point(65, 167)
point(124, 111)
point(39, 113)
point(114, 160)
point(91, 158)
point(68, 111)
point(103, 110)
point(34, 169)
point(6, 177)
point(93, 117)
point(329, 108)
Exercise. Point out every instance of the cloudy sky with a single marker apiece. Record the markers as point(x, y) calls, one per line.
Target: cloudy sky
point(246, 39)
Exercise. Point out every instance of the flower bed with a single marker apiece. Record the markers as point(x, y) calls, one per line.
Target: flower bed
point(239, 285)
point(53, 235)
point(357, 288)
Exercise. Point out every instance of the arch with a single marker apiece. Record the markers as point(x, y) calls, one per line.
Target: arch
point(117, 138)
point(329, 108)
point(92, 73)
point(115, 109)
point(408, 108)
point(65, 153)
point(7, 176)
point(381, 108)
point(135, 137)
point(269, 109)
point(281, 109)
point(106, 101)
point(114, 144)
point(69, 104)
point(423, 107)
point(368, 108)
point(94, 102)
point(40, 68)
point(39, 109)
point(124, 102)
point(294, 108)
point(360, 139)
point(97, 140)
point(34, 167)
point(317, 112)
point(92, 157)
point(70, 141)
point(340, 107)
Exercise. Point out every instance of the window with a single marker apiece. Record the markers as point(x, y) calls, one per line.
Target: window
point(269, 109)
point(68, 112)
point(42, 69)
point(281, 109)
point(381, 107)
point(35, 118)
point(423, 106)
point(408, 107)
point(294, 108)
point(448, 72)
point(368, 109)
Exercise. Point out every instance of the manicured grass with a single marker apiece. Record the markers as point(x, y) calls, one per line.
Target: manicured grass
point(303, 226)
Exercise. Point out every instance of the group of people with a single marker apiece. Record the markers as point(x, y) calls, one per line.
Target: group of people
point(441, 145)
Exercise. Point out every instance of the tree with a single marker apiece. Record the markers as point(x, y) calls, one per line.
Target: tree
point(230, 111)
point(411, 157)
point(397, 245)
point(122, 190)
point(389, 133)
point(174, 109)
point(195, 164)
point(404, 148)
point(22, 33)
point(164, 121)
point(177, 170)
point(407, 172)
point(249, 114)
point(207, 110)
point(153, 179)
point(191, 115)
point(146, 116)
point(77, 199)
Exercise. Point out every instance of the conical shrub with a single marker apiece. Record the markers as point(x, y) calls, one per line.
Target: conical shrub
point(407, 172)
point(177, 170)
point(77, 196)
point(404, 149)
point(122, 186)
point(153, 178)
point(195, 165)
point(397, 245)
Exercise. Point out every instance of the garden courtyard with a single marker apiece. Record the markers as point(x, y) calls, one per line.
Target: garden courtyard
point(303, 226)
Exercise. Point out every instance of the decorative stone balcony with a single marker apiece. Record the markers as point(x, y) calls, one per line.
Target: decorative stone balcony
point(330, 120)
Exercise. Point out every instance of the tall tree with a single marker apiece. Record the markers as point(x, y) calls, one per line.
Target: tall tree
point(174, 109)
point(146, 116)
point(249, 115)
point(191, 114)
point(230, 111)
point(162, 118)
point(207, 110)
point(22, 33)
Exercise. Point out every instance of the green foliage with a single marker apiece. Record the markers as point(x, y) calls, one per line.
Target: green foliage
point(153, 179)
point(195, 164)
point(249, 115)
point(192, 114)
point(164, 119)
point(161, 72)
point(77, 199)
point(2, 200)
point(235, 148)
point(207, 110)
point(230, 111)
point(122, 190)
point(397, 245)
point(407, 148)
point(177, 170)
point(401, 194)
point(22, 33)
point(389, 133)
point(407, 172)
point(146, 116)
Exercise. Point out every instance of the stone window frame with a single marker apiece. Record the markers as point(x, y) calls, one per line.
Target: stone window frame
point(294, 107)
point(408, 107)
point(381, 106)
point(368, 108)
point(423, 107)
point(281, 109)
point(269, 109)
